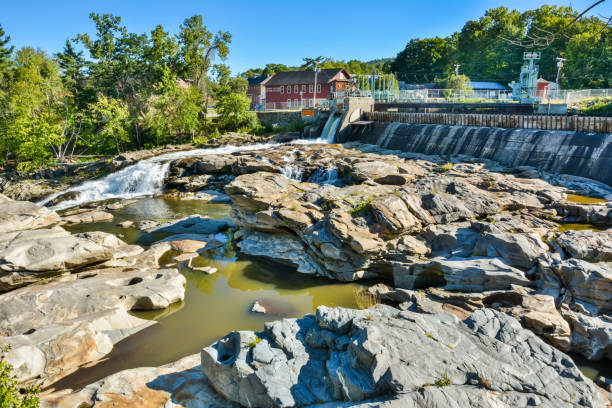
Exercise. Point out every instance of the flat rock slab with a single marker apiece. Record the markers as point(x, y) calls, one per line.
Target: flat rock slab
point(178, 385)
point(193, 225)
point(57, 327)
point(24, 215)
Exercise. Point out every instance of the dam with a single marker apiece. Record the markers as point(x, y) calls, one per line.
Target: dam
point(574, 152)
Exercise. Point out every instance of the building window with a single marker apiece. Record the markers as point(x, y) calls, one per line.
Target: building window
point(295, 103)
point(296, 89)
point(310, 88)
point(282, 89)
point(288, 103)
point(288, 89)
point(303, 88)
point(318, 88)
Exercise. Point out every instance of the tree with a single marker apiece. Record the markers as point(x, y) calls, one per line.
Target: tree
point(234, 112)
point(109, 118)
point(310, 63)
point(423, 60)
point(34, 102)
point(198, 47)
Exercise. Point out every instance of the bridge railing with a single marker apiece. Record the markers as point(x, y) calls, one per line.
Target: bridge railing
point(545, 122)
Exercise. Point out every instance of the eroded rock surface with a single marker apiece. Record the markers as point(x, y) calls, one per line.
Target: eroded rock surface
point(343, 355)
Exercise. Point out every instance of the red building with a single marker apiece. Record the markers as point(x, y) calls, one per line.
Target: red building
point(295, 89)
point(256, 91)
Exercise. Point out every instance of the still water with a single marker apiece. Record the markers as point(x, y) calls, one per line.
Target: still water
point(214, 304)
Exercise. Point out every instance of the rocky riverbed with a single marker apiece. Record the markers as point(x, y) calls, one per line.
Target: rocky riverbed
point(482, 278)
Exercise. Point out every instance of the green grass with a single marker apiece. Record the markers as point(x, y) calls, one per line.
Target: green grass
point(360, 207)
point(443, 381)
point(255, 342)
point(593, 107)
point(447, 167)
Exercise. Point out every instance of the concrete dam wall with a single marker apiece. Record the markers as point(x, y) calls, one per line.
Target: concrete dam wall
point(567, 152)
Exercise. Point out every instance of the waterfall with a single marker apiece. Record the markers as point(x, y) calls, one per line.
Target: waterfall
point(290, 169)
point(144, 178)
point(330, 128)
point(325, 175)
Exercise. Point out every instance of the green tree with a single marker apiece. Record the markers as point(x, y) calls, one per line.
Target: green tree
point(234, 112)
point(109, 119)
point(198, 46)
point(423, 59)
point(33, 120)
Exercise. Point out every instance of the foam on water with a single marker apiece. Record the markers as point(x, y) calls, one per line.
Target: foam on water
point(144, 178)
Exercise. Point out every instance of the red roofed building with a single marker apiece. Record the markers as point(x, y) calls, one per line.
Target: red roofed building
point(295, 89)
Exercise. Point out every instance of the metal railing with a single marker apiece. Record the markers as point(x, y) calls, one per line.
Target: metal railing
point(566, 96)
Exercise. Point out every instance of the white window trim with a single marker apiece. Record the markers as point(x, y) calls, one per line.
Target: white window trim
point(303, 88)
point(288, 103)
point(282, 89)
point(288, 89)
point(310, 88)
point(296, 88)
point(318, 88)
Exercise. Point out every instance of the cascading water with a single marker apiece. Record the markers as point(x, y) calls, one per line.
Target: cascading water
point(141, 179)
point(330, 128)
point(325, 175)
point(290, 169)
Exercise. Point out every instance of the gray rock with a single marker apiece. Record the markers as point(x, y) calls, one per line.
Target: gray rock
point(583, 282)
point(376, 356)
point(194, 224)
point(520, 250)
point(589, 245)
point(460, 274)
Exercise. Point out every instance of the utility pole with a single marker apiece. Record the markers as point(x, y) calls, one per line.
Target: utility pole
point(314, 103)
point(457, 69)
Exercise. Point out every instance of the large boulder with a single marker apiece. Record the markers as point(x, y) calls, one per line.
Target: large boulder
point(520, 250)
point(592, 246)
point(341, 356)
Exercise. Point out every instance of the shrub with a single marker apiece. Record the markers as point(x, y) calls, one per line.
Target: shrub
point(364, 299)
point(448, 166)
point(10, 394)
point(255, 341)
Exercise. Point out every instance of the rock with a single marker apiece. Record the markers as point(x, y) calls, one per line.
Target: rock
point(257, 308)
point(126, 224)
point(460, 274)
point(24, 215)
point(87, 217)
point(187, 245)
point(186, 257)
point(377, 355)
point(194, 224)
point(585, 283)
point(29, 256)
point(67, 196)
point(145, 225)
point(209, 270)
point(591, 246)
point(591, 336)
point(212, 197)
point(87, 315)
point(520, 250)
point(178, 384)
point(605, 383)
point(283, 248)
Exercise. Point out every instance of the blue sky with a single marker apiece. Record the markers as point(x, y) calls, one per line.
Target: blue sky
point(267, 31)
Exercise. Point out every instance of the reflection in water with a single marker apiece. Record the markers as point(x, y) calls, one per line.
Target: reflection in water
point(214, 306)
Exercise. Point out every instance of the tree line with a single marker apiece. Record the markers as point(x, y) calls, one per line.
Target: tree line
point(116, 90)
point(491, 49)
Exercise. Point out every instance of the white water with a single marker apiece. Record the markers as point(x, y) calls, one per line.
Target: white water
point(290, 169)
point(324, 175)
point(143, 178)
point(330, 128)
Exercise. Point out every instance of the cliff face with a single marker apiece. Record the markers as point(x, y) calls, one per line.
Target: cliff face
point(566, 152)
